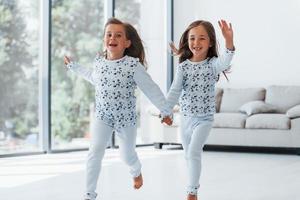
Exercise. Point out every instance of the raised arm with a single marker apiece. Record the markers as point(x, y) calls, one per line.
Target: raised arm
point(227, 33)
point(223, 61)
point(78, 69)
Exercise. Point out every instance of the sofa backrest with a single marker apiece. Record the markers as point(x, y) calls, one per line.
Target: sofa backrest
point(283, 97)
point(234, 98)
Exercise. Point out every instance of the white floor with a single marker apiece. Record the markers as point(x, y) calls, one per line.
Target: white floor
point(225, 176)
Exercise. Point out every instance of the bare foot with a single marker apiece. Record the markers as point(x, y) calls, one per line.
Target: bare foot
point(138, 182)
point(192, 197)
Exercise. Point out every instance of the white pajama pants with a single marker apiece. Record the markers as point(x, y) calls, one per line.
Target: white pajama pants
point(194, 132)
point(101, 134)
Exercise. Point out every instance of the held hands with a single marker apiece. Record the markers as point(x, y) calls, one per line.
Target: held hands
point(167, 120)
point(227, 33)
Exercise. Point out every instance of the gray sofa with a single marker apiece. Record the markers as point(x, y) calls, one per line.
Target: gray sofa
point(251, 117)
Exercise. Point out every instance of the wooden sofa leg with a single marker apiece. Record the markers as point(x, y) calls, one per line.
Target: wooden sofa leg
point(158, 145)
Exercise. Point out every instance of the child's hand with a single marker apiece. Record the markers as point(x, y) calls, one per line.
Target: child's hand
point(227, 33)
point(67, 60)
point(167, 120)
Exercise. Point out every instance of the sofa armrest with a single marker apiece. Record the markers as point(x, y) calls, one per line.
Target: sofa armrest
point(293, 112)
point(295, 130)
point(295, 125)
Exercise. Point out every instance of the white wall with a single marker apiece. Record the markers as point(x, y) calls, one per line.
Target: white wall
point(266, 35)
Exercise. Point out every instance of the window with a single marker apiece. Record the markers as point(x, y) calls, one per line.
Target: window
point(77, 31)
point(19, 70)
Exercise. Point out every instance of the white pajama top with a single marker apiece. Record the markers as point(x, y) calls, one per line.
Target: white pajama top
point(115, 82)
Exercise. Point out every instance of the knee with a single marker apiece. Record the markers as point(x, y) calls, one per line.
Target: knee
point(96, 151)
point(194, 154)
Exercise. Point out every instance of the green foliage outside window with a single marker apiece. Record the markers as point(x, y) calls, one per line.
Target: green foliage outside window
point(18, 70)
point(76, 32)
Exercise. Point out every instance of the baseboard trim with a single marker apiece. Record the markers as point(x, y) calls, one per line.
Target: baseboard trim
point(253, 149)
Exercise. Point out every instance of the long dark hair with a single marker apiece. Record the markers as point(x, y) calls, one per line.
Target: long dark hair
point(136, 49)
point(184, 51)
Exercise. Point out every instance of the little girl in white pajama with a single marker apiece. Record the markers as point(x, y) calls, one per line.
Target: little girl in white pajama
point(115, 77)
point(194, 86)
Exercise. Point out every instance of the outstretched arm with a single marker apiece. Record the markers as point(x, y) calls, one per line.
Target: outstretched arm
point(151, 89)
point(78, 69)
point(175, 90)
point(227, 32)
point(173, 95)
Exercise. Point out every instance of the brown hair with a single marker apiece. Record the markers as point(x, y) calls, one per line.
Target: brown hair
point(136, 49)
point(184, 51)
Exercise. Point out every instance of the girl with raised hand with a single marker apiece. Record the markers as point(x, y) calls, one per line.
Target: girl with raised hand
point(194, 86)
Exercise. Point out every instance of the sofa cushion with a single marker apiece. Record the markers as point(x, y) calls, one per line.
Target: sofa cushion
point(283, 97)
point(254, 107)
point(293, 112)
point(229, 120)
point(234, 98)
point(219, 93)
point(268, 121)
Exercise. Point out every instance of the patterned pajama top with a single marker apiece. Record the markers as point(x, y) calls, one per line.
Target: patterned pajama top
point(115, 82)
point(194, 85)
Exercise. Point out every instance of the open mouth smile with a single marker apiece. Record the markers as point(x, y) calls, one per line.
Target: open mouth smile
point(112, 45)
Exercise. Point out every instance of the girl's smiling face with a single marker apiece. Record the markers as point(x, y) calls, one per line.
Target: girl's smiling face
point(199, 43)
point(115, 41)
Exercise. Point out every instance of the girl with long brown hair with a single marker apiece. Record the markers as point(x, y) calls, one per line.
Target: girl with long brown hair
point(194, 86)
point(115, 77)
